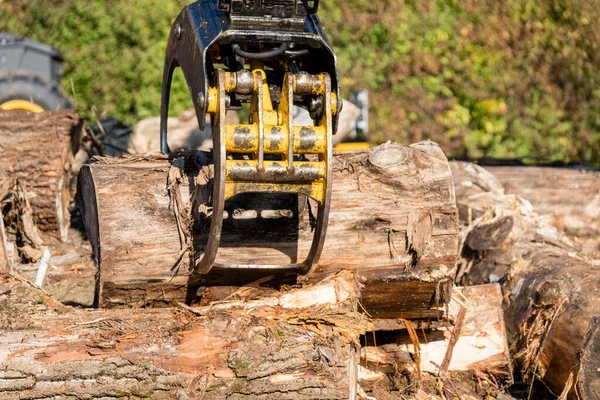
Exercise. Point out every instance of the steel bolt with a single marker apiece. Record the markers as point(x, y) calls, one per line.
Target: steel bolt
point(316, 107)
point(201, 100)
point(177, 31)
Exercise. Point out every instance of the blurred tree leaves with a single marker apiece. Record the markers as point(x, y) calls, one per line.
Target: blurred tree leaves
point(114, 50)
point(516, 78)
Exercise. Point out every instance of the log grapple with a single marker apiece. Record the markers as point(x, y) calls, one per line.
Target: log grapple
point(272, 55)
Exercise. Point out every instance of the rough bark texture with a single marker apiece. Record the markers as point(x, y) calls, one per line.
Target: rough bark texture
point(294, 346)
point(37, 150)
point(299, 344)
point(550, 289)
point(393, 220)
point(570, 195)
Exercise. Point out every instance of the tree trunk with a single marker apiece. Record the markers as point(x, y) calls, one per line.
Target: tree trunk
point(393, 220)
point(571, 196)
point(298, 345)
point(37, 151)
point(551, 290)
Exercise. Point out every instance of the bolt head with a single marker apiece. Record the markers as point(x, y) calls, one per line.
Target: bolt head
point(201, 100)
point(177, 31)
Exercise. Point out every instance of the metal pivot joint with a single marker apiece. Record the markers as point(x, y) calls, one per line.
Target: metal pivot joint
point(261, 53)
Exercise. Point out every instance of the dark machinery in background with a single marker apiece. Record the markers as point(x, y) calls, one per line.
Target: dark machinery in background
point(30, 75)
point(358, 138)
point(272, 54)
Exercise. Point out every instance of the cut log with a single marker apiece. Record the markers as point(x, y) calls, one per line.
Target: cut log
point(550, 289)
point(393, 220)
point(37, 150)
point(570, 195)
point(298, 345)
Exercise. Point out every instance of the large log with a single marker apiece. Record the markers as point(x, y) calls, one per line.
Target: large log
point(298, 345)
point(393, 220)
point(551, 290)
point(37, 151)
point(571, 196)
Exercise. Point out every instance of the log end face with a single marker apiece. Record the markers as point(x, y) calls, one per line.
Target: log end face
point(396, 159)
point(419, 168)
point(390, 158)
point(88, 204)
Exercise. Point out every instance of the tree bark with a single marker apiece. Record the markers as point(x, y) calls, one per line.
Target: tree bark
point(393, 220)
point(550, 289)
point(37, 151)
point(571, 196)
point(297, 345)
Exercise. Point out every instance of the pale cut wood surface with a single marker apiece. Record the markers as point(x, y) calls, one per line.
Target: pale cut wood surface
point(481, 344)
point(393, 220)
point(37, 149)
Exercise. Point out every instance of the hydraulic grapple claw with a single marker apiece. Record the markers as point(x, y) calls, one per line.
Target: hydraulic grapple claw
point(283, 54)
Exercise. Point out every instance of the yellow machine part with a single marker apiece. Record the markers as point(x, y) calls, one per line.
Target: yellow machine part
point(351, 146)
point(271, 131)
point(25, 105)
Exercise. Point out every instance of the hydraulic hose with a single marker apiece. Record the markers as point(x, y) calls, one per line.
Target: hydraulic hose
point(263, 55)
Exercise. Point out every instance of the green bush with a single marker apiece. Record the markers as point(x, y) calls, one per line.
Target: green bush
point(516, 78)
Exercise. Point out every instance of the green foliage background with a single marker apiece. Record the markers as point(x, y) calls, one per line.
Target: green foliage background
point(511, 78)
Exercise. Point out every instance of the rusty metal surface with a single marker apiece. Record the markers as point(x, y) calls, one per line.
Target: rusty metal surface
point(305, 139)
point(275, 171)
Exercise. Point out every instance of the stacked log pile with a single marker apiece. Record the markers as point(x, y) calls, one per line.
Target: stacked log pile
point(301, 343)
point(550, 289)
point(375, 319)
point(49, 350)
